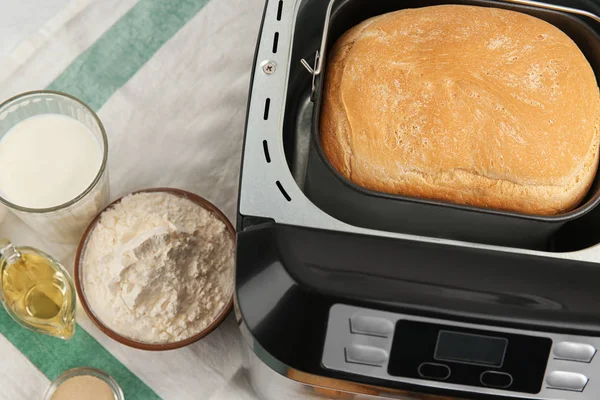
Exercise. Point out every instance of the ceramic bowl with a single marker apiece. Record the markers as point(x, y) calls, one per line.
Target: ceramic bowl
point(80, 287)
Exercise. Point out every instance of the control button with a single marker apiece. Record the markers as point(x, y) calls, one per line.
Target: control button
point(366, 355)
point(436, 371)
point(496, 379)
point(566, 381)
point(373, 326)
point(574, 352)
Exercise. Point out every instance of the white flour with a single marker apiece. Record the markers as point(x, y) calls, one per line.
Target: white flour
point(158, 268)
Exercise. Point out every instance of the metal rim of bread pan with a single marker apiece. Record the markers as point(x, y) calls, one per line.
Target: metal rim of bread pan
point(591, 200)
point(320, 54)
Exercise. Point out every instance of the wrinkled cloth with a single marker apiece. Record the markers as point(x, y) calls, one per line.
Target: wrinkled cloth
point(178, 122)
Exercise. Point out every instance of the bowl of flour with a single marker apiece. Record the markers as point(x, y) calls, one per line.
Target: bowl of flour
point(155, 269)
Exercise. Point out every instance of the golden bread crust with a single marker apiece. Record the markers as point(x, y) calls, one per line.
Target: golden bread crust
point(471, 105)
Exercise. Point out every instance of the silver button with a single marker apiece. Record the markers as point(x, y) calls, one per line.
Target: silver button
point(373, 326)
point(566, 381)
point(574, 351)
point(366, 355)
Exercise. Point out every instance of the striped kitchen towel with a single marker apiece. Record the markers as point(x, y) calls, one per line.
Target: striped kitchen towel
point(169, 79)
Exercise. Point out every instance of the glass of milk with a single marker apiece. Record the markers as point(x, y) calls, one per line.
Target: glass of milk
point(53, 156)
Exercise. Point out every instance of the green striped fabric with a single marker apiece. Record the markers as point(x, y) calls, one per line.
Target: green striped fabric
point(110, 62)
point(94, 77)
point(53, 356)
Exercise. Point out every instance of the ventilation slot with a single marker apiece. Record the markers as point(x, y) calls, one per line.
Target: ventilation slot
point(280, 10)
point(275, 42)
point(267, 107)
point(283, 192)
point(266, 149)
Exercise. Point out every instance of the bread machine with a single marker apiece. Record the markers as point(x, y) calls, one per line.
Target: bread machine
point(335, 302)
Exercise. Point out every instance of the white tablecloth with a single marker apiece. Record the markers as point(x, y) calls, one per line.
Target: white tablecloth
point(178, 122)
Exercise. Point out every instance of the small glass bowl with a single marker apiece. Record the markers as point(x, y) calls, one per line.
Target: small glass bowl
point(85, 371)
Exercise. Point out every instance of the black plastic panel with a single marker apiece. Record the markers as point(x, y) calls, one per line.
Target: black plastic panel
point(287, 279)
point(421, 278)
point(522, 366)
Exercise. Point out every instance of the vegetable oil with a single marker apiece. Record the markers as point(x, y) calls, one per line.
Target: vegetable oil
point(37, 291)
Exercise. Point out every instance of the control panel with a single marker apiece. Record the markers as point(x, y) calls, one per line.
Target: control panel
point(461, 357)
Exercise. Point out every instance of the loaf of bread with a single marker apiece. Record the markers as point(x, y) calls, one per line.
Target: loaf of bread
point(471, 105)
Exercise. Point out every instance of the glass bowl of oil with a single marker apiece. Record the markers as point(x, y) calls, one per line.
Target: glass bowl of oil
point(37, 291)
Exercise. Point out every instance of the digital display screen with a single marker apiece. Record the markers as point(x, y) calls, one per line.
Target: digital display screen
point(470, 349)
point(469, 353)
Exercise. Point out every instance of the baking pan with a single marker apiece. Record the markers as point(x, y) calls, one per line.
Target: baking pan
point(362, 207)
